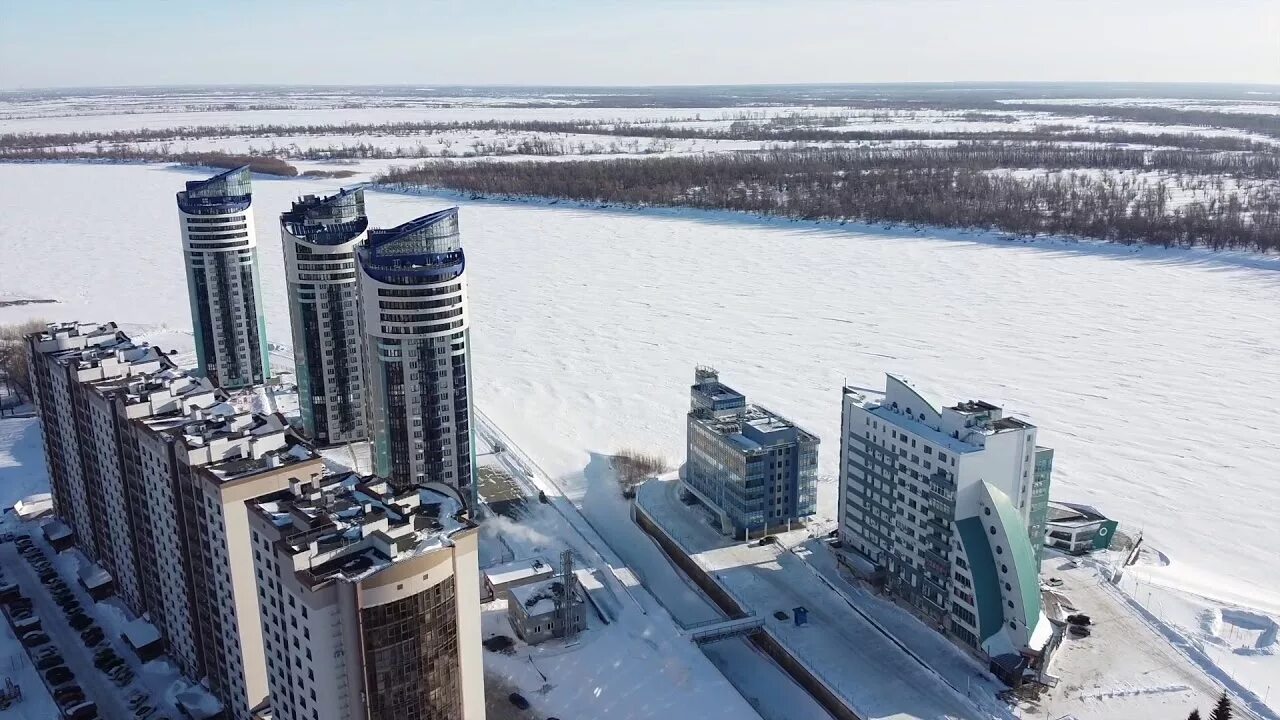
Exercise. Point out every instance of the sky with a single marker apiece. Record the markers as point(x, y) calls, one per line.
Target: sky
point(61, 43)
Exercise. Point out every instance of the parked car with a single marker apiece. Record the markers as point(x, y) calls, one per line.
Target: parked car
point(83, 711)
point(24, 621)
point(49, 662)
point(9, 590)
point(79, 621)
point(58, 674)
point(34, 639)
point(68, 696)
point(92, 636)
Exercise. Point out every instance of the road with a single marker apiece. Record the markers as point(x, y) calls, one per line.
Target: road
point(634, 561)
point(96, 686)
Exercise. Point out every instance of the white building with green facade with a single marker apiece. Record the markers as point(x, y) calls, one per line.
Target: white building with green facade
point(950, 505)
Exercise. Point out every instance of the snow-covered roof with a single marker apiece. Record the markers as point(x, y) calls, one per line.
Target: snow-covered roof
point(93, 576)
point(500, 576)
point(33, 505)
point(539, 598)
point(140, 633)
point(351, 526)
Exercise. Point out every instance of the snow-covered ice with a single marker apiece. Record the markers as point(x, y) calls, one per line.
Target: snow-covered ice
point(1146, 369)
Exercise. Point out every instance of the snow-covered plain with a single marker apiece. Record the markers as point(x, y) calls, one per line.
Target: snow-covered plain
point(1151, 371)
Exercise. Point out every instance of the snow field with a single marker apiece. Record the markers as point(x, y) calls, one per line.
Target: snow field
point(1144, 368)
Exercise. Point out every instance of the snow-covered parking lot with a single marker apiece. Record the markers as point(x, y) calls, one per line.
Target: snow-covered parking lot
point(146, 691)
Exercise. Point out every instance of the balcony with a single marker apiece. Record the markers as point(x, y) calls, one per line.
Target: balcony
point(935, 563)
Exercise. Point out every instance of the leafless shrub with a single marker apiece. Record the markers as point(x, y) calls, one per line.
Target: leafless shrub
point(13, 353)
point(634, 467)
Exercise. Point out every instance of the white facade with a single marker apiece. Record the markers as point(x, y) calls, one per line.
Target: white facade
point(154, 468)
point(320, 239)
point(220, 246)
point(945, 500)
point(413, 293)
point(334, 651)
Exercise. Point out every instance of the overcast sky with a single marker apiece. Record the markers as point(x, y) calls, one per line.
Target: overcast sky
point(46, 43)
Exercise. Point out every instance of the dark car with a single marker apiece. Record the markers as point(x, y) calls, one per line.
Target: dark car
point(51, 661)
point(518, 700)
point(68, 695)
point(79, 621)
point(33, 639)
point(92, 636)
point(58, 674)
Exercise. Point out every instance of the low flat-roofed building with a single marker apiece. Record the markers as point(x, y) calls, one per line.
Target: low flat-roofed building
point(1077, 529)
point(514, 574)
point(542, 610)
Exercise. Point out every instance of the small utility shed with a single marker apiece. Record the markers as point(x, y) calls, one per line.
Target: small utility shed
point(143, 638)
point(96, 581)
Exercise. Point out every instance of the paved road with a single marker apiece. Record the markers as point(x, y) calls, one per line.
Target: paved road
point(96, 686)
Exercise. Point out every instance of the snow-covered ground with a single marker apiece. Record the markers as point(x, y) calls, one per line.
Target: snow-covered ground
point(870, 671)
point(647, 581)
point(1145, 368)
point(1126, 668)
point(22, 470)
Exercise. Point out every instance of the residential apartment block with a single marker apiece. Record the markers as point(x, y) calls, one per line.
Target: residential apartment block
point(151, 467)
point(370, 600)
point(320, 238)
point(949, 503)
point(221, 250)
point(413, 289)
point(753, 468)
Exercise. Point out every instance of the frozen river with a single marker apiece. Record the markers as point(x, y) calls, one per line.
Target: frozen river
point(1154, 374)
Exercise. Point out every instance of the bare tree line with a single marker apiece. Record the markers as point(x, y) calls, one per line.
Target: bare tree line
point(263, 164)
point(791, 128)
point(965, 155)
point(850, 185)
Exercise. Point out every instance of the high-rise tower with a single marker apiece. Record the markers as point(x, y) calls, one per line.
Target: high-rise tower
point(221, 251)
point(413, 290)
point(320, 239)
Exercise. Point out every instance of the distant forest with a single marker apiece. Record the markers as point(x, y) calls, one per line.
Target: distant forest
point(794, 128)
point(948, 187)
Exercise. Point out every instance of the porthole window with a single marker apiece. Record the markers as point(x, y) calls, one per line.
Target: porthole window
point(986, 511)
point(1010, 604)
point(1004, 568)
point(993, 529)
point(1008, 587)
point(999, 550)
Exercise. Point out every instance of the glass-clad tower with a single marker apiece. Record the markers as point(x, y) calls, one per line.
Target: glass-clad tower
point(320, 239)
point(221, 251)
point(413, 291)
